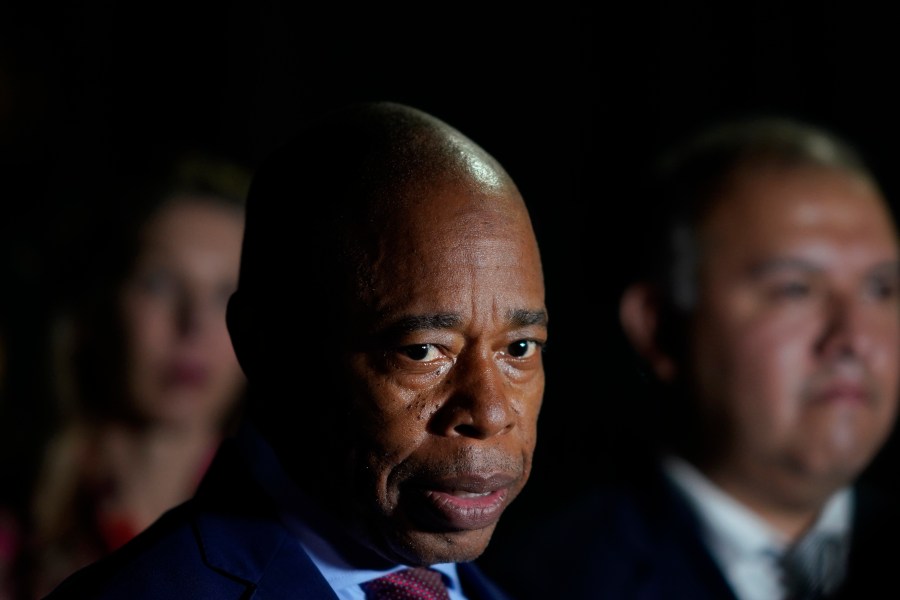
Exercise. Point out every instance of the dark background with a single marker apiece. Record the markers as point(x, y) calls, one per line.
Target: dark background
point(573, 98)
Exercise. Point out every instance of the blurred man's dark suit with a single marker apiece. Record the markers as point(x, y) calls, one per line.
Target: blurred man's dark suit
point(640, 540)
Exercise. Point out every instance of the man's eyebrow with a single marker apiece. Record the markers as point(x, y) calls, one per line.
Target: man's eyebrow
point(786, 264)
point(525, 318)
point(411, 323)
point(774, 265)
point(888, 267)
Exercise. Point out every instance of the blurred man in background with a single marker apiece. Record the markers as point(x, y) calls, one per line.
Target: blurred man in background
point(766, 309)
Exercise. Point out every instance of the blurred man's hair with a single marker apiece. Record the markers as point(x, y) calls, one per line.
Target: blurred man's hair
point(687, 181)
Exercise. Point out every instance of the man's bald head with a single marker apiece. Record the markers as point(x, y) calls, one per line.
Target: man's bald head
point(318, 207)
point(356, 165)
point(390, 317)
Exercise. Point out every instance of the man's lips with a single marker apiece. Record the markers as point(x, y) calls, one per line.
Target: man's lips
point(461, 502)
point(843, 392)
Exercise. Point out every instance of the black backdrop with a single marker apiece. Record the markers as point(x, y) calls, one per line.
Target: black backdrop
point(572, 97)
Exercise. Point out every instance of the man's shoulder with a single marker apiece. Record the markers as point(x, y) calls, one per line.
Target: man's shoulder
point(632, 537)
point(875, 529)
point(223, 543)
point(168, 547)
point(198, 553)
point(629, 511)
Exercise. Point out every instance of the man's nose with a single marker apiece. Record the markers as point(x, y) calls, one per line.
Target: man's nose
point(846, 330)
point(480, 402)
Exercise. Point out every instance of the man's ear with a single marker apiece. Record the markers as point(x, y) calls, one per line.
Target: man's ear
point(640, 312)
point(240, 329)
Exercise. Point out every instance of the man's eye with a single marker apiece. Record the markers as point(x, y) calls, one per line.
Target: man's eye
point(882, 288)
point(523, 348)
point(421, 352)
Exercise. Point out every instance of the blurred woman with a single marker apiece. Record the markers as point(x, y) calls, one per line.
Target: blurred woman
point(148, 377)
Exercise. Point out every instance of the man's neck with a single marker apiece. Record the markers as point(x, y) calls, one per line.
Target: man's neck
point(791, 515)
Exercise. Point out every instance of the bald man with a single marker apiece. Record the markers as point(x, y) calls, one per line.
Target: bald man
point(390, 319)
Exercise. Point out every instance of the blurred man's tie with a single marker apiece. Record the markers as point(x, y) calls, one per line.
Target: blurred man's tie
point(814, 568)
point(419, 583)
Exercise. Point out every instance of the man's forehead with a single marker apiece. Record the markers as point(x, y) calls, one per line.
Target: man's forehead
point(800, 264)
point(798, 197)
point(451, 225)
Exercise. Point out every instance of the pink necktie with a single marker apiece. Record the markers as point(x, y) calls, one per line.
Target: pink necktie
point(409, 584)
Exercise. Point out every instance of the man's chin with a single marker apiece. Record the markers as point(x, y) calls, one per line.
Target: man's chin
point(429, 548)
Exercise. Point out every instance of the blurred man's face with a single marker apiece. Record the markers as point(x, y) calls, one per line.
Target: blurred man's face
point(448, 376)
point(795, 338)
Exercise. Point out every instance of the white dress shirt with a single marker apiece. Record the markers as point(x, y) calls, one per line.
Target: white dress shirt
point(745, 547)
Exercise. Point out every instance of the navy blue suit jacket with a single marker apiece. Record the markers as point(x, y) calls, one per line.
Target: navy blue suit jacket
point(641, 541)
point(226, 542)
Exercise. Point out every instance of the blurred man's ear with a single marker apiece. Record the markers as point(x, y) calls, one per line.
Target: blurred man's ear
point(640, 313)
point(240, 330)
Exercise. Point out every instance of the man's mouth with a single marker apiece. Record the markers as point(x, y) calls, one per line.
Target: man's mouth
point(843, 393)
point(845, 384)
point(462, 502)
point(839, 390)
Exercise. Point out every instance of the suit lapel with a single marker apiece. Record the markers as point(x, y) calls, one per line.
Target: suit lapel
point(241, 537)
point(261, 554)
point(672, 546)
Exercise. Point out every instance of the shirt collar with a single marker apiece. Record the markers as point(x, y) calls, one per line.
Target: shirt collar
point(731, 527)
